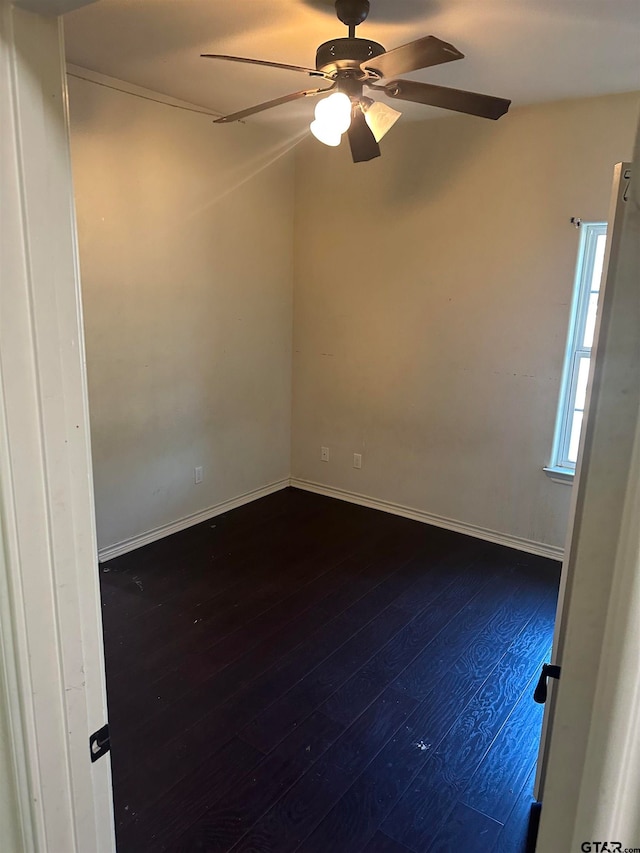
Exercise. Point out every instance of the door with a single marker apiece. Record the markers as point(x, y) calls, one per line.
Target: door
point(600, 489)
point(52, 684)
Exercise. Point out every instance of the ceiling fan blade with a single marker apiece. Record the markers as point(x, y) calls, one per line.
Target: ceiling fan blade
point(485, 106)
point(268, 104)
point(361, 139)
point(310, 71)
point(421, 53)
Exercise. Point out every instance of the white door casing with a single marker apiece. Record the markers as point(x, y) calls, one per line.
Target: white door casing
point(589, 729)
point(609, 799)
point(51, 631)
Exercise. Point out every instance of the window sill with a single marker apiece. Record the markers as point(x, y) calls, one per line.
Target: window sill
point(560, 475)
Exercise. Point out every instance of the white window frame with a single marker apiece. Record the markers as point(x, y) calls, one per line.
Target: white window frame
point(560, 467)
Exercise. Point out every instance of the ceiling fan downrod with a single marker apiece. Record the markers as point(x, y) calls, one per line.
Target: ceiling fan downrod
point(343, 57)
point(352, 13)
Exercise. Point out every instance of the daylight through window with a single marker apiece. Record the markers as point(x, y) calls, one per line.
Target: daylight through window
point(593, 236)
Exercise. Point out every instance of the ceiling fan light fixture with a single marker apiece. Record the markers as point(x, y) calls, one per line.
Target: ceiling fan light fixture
point(380, 117)
point(351, 64)
point(324, 133)
point(332, 118)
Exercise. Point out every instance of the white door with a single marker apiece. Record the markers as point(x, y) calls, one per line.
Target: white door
point(52, 685)
point(600, 493)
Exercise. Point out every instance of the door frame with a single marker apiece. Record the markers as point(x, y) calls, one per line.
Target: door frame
point(587, 781)
point(52, 681)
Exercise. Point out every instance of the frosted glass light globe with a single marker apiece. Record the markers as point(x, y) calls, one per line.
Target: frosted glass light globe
point(335, 111)
point(333, 117)
point(325, 133)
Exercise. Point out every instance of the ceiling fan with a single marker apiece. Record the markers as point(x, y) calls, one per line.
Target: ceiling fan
point(352, 63)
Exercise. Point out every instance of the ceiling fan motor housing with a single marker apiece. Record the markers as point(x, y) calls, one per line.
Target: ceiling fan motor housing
point(352, 12)
point(346, 54)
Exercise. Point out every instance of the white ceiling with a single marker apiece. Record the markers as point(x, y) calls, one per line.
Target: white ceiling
point(526, 50)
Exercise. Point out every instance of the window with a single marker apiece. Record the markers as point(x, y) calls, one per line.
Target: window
point(593, 236)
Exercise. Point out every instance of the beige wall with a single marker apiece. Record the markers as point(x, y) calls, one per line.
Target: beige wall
point(433, 288)
point(185, 236)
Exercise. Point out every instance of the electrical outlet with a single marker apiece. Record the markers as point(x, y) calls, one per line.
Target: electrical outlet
point(324, 454)
point(357, 460)
point(198, 474)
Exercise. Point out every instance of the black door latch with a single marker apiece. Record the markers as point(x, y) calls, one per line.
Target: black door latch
point(548, 671)
point(99, 743)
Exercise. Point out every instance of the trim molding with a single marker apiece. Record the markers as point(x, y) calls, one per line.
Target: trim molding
point(51, 8)
point(51, 644)
point(119, 548)
point(560, 475)
point(553, 552)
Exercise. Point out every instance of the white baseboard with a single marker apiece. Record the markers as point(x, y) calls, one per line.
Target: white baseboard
point(553, 552)
point(119, 548)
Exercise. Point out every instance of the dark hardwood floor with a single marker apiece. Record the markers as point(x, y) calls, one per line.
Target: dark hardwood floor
point(303, 674)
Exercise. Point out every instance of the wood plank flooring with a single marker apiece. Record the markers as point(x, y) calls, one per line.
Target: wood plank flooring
point(303, 674)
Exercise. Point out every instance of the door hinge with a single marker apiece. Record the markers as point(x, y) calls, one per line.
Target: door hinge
point(548, 671)
point(99, 743)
